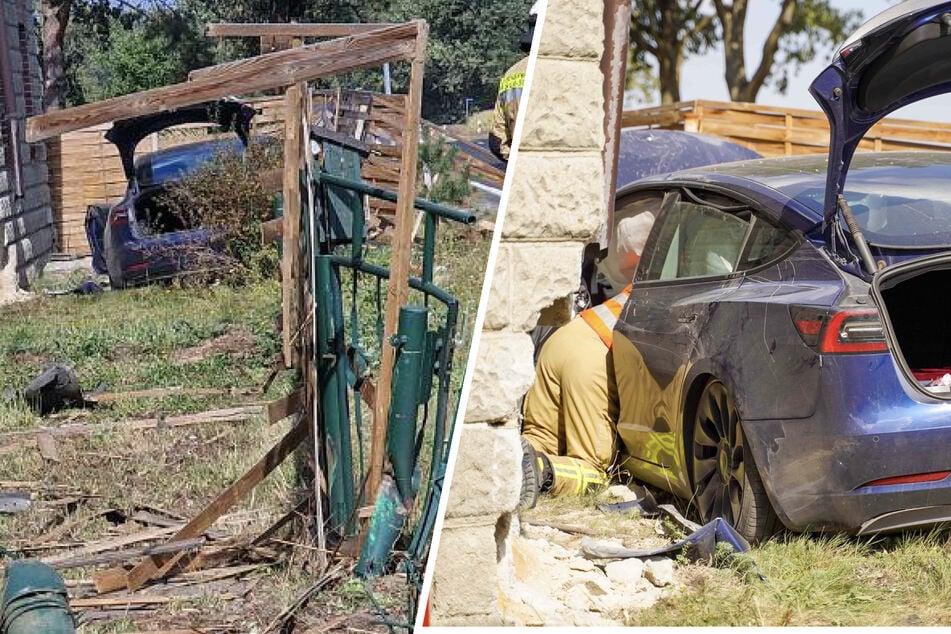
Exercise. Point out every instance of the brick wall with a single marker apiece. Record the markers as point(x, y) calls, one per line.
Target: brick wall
point(555, 206)
point(26, 222)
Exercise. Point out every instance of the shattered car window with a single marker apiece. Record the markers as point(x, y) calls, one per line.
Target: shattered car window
point(697, 241)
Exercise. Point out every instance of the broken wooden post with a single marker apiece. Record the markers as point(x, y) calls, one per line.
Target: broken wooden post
point(398, 287)
point(290, 262)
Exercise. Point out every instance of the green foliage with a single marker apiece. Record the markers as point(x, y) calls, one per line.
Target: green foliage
point(133, 60)
point(665, 32)
point(816, 27)
point(111, 53)
point(228, 196)
point(440, 179)
point(471, 44)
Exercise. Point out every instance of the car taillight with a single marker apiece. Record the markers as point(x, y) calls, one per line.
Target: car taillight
point(119, 216)
point(831, 331)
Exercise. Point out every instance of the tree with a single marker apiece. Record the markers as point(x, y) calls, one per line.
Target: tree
point(55, 15)
point(800, 29)
point(135, 59)
point(669, 30)
point(471, 44)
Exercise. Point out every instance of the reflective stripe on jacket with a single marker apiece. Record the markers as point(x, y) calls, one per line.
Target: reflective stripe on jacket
point(603, 317)
point(506, 107)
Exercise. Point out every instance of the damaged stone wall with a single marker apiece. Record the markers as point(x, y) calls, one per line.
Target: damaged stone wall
point(26, 220)
point(556, 205)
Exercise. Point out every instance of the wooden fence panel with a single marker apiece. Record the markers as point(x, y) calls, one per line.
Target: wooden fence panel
point(774, 131)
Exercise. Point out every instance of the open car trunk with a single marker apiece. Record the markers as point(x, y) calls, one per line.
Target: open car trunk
point(916, 312)
point(153, 216)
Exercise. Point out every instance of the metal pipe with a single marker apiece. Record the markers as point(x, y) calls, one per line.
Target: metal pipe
point(857, 235)
point(414, 282)
point(331, 372)
point(429, 247)
point(443, 211)
point(410, 343)
point(34, 600)
point(386, 523)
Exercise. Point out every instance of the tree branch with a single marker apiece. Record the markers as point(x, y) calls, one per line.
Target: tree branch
point(771, 46)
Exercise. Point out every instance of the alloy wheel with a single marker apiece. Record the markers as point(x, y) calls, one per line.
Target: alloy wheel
point(718, 458)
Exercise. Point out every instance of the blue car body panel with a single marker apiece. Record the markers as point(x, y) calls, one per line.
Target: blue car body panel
point(820, 427)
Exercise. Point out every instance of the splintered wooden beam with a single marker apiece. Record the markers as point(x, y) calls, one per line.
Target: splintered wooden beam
point(231, 29)
point(158, 565)
point(398, 287)
point(273, 70)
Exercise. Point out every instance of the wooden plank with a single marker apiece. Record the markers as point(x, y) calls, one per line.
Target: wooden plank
point(398, 288)
point(126, 554)
point(283, 407)
point(346, 52)
point(110, 544)
point(292, 219)
point(157, 565)
point(301, 29)
point(272, 230)
point(273, 70)
point(95, 602)
point(226, 415)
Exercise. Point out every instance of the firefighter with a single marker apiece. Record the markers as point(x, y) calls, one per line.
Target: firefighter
point(510, 92)
point(571, 410)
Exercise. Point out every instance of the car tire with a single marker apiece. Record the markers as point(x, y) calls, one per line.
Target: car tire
point(726, 482)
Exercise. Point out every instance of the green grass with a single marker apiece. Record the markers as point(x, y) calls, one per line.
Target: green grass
point(127, 340)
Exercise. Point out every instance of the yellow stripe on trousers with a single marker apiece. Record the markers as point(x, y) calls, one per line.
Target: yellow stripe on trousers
point(574, 477)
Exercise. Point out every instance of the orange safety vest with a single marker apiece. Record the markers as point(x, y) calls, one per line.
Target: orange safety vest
point(603, 317)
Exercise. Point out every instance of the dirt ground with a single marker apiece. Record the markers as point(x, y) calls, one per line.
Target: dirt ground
point(554, 583)
point(178, 375)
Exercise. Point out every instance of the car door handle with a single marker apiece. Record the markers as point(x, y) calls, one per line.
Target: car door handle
point(688, 319)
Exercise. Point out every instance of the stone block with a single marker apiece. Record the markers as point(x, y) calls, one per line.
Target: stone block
point(659, 571)
point(573, 29)
point(565, 106)
point(528, 277)
point(7, 208)
point(542, 274)
point(503, 372)
point(555, 196)
point(625, 572)
point(466, 574)
point(497, 304)
point(487, 475)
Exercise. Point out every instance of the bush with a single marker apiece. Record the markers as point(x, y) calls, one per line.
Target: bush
point(228, 196)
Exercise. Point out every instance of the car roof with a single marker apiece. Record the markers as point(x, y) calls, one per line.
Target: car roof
point(645, 152)
point(895, 176)
point(200, 147)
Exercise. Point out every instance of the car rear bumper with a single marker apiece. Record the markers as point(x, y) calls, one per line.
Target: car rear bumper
point(819, 475)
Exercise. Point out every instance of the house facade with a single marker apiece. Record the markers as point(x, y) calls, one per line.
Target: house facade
point(26, 220)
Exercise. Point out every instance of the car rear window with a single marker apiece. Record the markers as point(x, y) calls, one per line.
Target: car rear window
point(900, 200)
point(161, 167)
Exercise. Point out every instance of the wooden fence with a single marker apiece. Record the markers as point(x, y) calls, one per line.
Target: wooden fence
point(84, 167)
point(774, 131)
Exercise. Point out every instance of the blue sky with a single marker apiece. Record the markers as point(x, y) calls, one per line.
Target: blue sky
point(702, 77)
